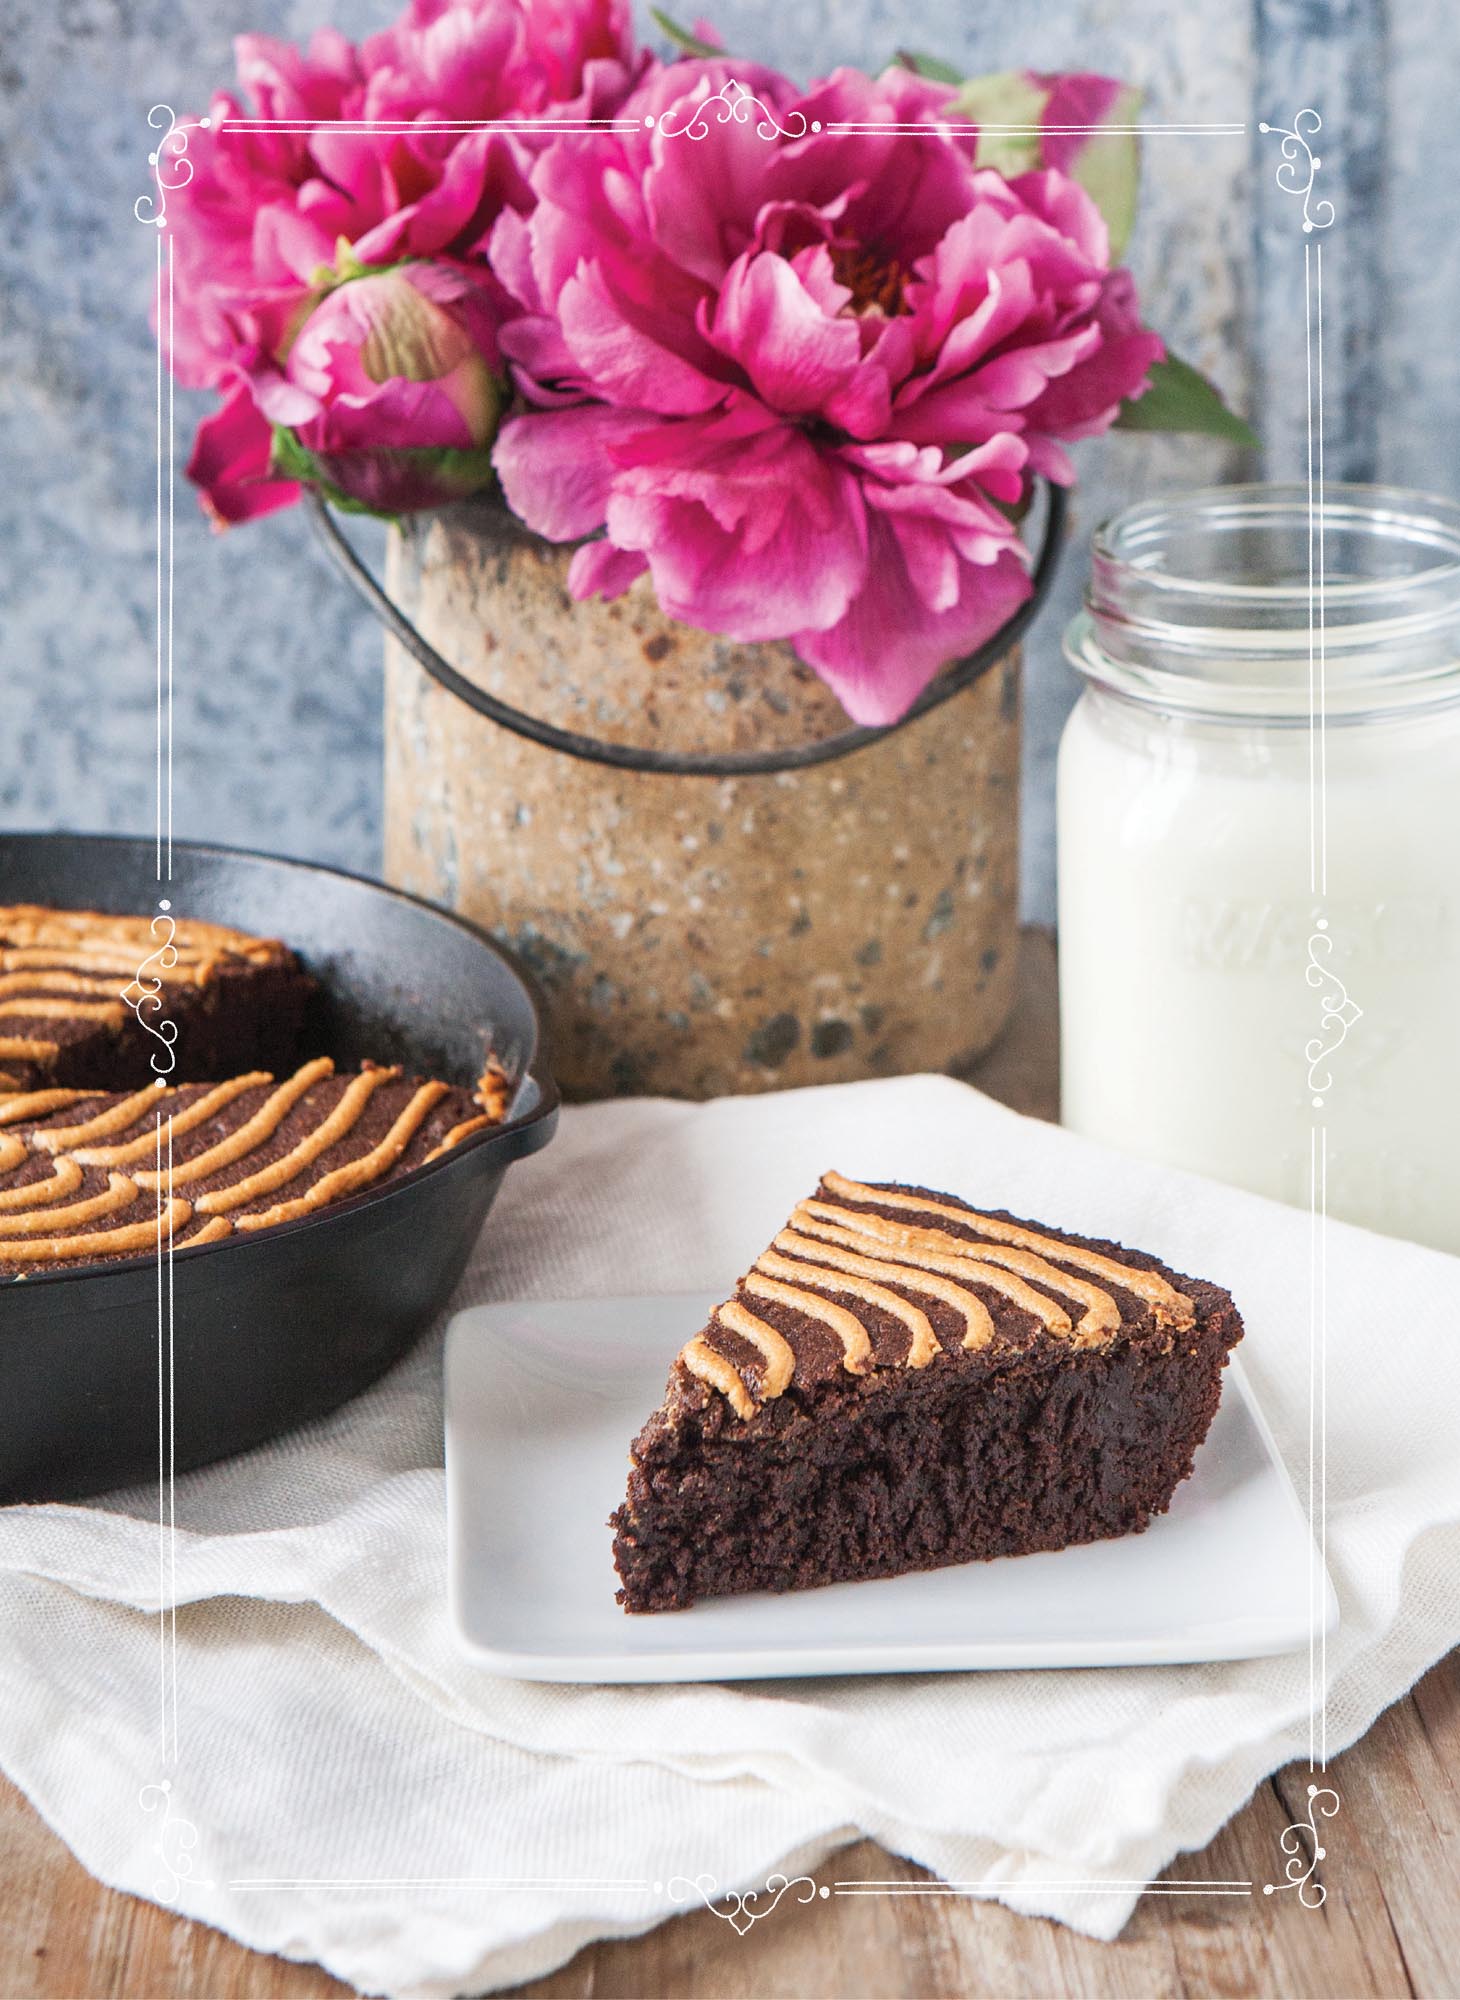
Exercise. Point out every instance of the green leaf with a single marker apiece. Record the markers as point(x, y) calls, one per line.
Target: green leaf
point(688, 44)
point(1181, 399)
point(932, 67)
point(1007, 97)
point(288, 459)
point(1108, 168)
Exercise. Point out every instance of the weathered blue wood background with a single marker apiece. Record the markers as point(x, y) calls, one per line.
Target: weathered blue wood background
point(277, 730)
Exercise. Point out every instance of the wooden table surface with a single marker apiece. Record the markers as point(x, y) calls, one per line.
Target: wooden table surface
point(1390, 1924)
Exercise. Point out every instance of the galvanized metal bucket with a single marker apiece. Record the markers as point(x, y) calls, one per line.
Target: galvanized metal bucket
point(718, 885)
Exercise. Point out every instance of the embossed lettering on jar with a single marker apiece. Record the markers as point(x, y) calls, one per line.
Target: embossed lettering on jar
point(1259, 842)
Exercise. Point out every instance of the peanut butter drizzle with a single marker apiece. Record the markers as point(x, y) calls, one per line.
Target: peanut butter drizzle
point(65, 1178)
point(355, 1174)
point(923, 1342)
point(253, 1132)
point(494, 1090)
point(211, 1232)
point(1100, 1317)
point(459, 1132)
point(346, 1114)
point(34, 927)
point(112, 1012)
point(129, 1240)
point(1168, 1305)
point(849, 1330)
point(116, 1118)
point(711, 1367)
point(31, 1216)
point(774, 1349)
point(102, 966)
point(864, 1255)
point(977, 1320)
point(806, 1216)
point(120, 1193)
point(39, 1103)
point(23, 1049)
point(59, 981)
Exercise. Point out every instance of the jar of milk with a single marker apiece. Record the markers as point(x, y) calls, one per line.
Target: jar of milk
point(1259, 847)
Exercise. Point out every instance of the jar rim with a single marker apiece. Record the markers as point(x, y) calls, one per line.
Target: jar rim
point(1276, 600)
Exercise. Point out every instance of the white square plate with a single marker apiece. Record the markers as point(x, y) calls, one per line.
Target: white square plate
point(543, 1401)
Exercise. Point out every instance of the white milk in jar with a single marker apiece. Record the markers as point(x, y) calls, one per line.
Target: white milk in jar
point(1259, 848)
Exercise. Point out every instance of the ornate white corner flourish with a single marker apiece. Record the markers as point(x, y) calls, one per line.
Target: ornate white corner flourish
point(1338, 1012)
point(143, 993)
point(171, 167)
point(1304, 1855)
point(733, 104)
point(743, 1912)
point(176, 1839)
point(1298, 170)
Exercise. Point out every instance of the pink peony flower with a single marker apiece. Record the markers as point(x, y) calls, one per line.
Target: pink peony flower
point(387, 396)
point(266, 210)
point(801, 381)
point(232, 463)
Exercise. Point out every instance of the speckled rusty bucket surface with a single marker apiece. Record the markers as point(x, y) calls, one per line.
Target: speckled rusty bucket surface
point(695, 936)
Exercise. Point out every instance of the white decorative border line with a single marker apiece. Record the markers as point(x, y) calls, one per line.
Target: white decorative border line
point(143, 993)
point(177, 1837)
point(732, 103)
point(145, 996)
point(1299, 170)
point(745, 1908)
point(1304, 1856)
point(997, 1891)
point(1337, 1011)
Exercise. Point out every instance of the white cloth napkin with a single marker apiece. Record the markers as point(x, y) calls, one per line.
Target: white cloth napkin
point(362, 1796)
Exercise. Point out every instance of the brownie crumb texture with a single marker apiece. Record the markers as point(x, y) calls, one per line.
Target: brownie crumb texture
point(902, 1382)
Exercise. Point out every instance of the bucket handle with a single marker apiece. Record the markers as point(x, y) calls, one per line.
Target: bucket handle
point(678, 763)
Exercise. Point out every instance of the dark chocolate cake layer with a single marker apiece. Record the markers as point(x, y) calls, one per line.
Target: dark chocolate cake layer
point(902, 1382)
point(84, 995)
point(90, 1177)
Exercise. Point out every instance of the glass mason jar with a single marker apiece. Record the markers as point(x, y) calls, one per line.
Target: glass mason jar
point(1259, 847)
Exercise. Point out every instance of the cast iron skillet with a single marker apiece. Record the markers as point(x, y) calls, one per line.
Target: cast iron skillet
point(273, 1329)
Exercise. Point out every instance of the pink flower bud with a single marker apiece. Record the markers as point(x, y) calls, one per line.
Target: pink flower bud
point(388, 394)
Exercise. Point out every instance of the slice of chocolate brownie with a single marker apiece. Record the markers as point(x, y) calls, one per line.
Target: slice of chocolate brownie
point(83, 996)
point(903, 1381)
point(89, 1177)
